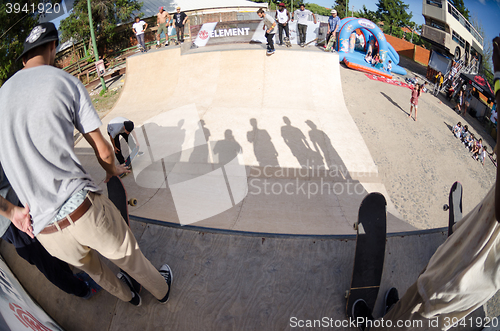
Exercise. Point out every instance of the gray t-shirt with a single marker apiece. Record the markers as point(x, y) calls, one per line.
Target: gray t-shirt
point(269, 21)
point(41, 106)
point(302, 16)
point(7, 193)
point(115, 126)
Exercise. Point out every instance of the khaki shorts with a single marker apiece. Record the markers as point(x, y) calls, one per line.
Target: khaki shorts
point(163, 27)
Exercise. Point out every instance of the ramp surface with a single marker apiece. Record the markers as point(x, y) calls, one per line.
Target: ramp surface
point(238, 140)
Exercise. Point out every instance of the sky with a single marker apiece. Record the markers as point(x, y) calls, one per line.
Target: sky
point(488, 11)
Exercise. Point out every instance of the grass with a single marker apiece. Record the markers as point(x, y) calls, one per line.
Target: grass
point(104, 101)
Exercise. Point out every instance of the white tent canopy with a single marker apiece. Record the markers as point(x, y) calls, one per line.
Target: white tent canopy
point(150, 7)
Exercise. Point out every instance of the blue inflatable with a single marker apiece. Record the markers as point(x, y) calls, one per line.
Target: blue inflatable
point(370, 31)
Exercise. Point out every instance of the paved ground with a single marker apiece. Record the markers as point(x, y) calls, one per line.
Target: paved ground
point(418, 161)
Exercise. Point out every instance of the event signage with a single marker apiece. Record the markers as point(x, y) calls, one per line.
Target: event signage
point(215, 33)
point(17, 309)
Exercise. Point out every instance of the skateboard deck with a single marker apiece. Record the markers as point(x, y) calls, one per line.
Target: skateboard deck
point(118, 196)
point(287, 42)
point(331, 41)
point(132, 156)
point(454, 206)
point(370, 251)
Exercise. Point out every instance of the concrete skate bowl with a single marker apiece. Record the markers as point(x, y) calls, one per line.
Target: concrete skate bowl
point(237, 140)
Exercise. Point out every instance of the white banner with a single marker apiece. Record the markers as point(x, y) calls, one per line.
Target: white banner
point(17, 310)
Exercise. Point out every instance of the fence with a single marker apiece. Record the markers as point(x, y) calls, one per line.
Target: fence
point(409, 50)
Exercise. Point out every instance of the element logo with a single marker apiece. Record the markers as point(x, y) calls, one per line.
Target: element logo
point(203, 34)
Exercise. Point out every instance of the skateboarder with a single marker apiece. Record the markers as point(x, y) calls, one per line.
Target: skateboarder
point(333, 27)
point(69, 215)
point(462, 275)
point(283, 17)
point(270, 27)
point(30, 249)
point(139, 27)
point(161, 20)
point(302, 15)
point(180, 19)
point(120, 126)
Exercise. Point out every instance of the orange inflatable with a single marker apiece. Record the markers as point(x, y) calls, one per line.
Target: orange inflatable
point(366, 69)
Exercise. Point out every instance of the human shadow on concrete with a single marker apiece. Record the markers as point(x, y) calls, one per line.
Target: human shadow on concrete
point(296, 140)
point(394, 103)
point(200, 153)
point(263, 147)
point(323, 145)
point(227, 149)
point(162, 151)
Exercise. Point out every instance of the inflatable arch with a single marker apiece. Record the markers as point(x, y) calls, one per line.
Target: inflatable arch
point(369, 30)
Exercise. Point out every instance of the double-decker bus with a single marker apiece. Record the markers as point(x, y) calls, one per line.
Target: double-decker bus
point(449, 32)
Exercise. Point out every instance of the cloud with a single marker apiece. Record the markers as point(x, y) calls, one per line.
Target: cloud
point(483, 2)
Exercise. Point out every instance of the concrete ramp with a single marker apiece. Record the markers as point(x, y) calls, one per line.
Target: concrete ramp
point(225, 280)
point(239, 140)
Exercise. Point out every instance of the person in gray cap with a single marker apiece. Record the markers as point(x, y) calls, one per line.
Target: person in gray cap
point(67, 212)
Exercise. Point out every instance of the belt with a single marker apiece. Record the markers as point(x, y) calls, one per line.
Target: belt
point(75, 216)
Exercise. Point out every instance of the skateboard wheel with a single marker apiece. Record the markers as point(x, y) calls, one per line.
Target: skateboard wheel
point(446, 207)
point(346, 294)
point(132, 202)
point(355, 226)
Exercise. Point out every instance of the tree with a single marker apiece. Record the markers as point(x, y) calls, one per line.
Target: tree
point(106, 14)
point(368, 14)
point(14, 28)
point(340, 7)
point(459, 4)
point(317, 9)
point(394, 13)
point(487, 45)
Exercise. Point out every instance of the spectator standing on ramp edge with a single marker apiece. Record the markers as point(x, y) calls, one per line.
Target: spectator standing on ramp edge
point(333, 27)
point(283, 17)
point(161, 20)
point(302, 15)
point(70, 216)
point(139, 27)
point(180, 19)
point(270, 27)
point(463, 273)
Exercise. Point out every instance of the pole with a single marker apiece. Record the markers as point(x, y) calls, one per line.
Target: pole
point(347, 8)
point(94, 44)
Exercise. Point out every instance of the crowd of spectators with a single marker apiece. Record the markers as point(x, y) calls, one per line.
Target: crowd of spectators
point(474, 144)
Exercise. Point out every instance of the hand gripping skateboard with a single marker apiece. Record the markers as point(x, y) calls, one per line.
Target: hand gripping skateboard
point(331, 41)
point(454, 206)
point(370, 251)
point(118, 196)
